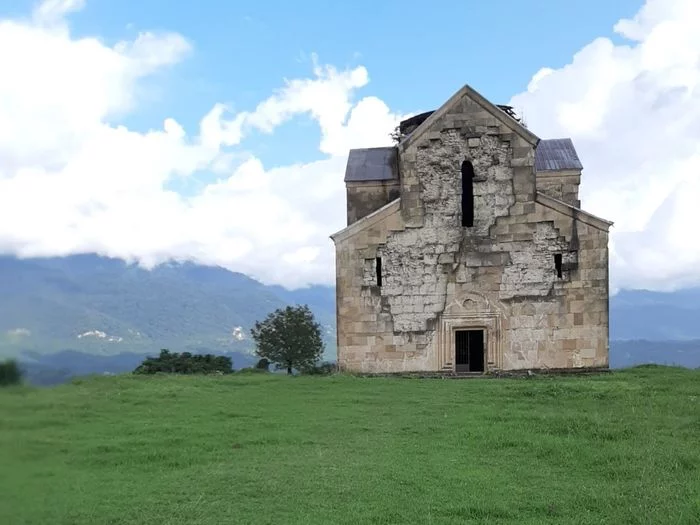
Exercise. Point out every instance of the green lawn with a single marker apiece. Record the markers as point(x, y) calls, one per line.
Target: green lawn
point(617, 448)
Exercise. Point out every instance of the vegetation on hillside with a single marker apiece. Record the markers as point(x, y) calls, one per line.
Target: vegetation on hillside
point(264, 448)
point(290, 338)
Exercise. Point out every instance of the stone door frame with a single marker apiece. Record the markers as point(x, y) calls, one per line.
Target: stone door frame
point(469, 315)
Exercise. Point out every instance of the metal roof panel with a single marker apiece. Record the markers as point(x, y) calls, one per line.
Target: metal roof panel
point(371, 164)
point(555, 155)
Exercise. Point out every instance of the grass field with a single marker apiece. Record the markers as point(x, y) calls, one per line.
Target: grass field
point(617, 448)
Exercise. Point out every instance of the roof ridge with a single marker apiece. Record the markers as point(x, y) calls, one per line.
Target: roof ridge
point(487, 105)
point(365, 221)
point(572, 211)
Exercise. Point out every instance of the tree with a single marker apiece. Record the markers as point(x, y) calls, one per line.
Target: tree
point(10, 373)
point(290, 338)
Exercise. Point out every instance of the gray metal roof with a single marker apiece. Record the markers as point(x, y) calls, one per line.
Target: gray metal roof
point(369, 164)
point(555, 155)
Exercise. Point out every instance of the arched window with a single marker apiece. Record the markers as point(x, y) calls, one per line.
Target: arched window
point(467, 194)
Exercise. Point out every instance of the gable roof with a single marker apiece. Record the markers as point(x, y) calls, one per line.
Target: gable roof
point(367, 221)
point(572, 211)
point(556, 155)
point(369, 164)
point(468, 91)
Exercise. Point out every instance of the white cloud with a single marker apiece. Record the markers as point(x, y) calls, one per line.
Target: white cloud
point(633, 111)
point(238, 333)
point(53, 11)
point(101, 335)
point(19, 333)
point(72, 182)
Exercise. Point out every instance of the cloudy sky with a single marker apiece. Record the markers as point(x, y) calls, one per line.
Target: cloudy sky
point(218, 132)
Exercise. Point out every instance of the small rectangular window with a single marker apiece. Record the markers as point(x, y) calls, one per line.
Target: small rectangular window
point(558, 264)
point(379, 271)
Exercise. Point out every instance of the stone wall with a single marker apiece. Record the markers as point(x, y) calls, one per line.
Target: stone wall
point(499, 274)
point(562, 185)
point(364, 198)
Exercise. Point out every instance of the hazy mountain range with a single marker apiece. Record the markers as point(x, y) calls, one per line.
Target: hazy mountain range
point(83, 314)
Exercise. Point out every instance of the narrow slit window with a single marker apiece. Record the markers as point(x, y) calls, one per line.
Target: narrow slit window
point(379, 271)
point(557, 264)
point(467, 194)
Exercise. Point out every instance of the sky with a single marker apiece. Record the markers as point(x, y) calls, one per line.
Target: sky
point(218, 131)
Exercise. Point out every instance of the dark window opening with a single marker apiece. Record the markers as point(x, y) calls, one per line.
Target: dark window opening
point(379, 271)
point(467, 194)
point(558, 264)
point(469, 351)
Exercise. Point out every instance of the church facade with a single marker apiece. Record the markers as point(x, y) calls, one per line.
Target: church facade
point(467, 250)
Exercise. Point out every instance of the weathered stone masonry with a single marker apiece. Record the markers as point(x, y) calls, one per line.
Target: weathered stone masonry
point(532, 271)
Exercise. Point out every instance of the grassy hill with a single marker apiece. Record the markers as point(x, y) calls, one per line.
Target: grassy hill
point(615, 448)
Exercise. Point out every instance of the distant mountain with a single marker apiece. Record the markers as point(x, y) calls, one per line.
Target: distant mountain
point(89, 314)
point(98, 305)
point(624, 354)
point(655, 316)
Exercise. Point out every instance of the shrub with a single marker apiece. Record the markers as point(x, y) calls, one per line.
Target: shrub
point(324, 368)
point(252, 371)
point(185, 363)
point(10, 373)
point(263, 364)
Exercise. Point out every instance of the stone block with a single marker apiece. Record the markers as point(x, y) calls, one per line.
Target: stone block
point(520, 162)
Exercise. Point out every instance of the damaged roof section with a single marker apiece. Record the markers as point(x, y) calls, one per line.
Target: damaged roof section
point(407, 126)
point(556, 155)
point(371, 164)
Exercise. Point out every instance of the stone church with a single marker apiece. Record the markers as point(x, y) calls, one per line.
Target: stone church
point(467, 250)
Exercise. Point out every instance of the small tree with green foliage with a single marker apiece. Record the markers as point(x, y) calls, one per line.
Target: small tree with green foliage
point(10, 373)
point(290, 338)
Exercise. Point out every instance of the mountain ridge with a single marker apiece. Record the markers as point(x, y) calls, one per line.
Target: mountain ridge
point(100, 305)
